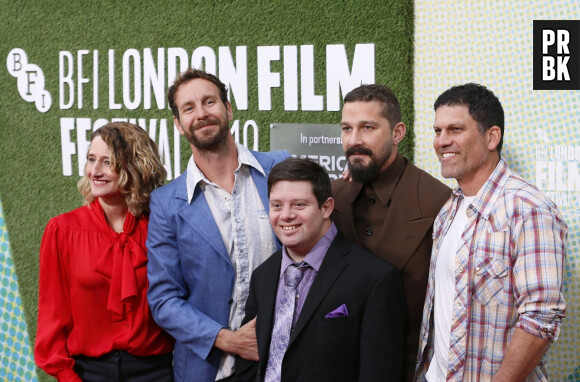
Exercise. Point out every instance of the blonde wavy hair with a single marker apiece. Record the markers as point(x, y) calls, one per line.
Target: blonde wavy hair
point(135, 158)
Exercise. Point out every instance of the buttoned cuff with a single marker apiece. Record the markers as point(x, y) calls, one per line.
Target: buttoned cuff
point(545, 330)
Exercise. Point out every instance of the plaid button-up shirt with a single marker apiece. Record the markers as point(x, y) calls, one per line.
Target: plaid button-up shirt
point(508, 275)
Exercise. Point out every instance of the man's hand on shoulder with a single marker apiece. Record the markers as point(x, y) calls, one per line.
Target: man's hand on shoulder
point(241, 342)
point(346, 175)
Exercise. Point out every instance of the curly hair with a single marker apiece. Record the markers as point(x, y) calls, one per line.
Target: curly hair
point(135, 158)
point(192, 74)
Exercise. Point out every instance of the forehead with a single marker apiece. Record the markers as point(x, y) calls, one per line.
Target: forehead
point(197, 88)
point(295, 189)
point(98, 146)
point(446, 115)
point(360, 111)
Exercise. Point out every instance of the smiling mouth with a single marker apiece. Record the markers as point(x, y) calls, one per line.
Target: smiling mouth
point(205, 123)
point(448, 155)
point(96, 181)
point(290, 228)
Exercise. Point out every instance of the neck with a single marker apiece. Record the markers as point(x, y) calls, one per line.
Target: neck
point(295, 257)
point(115, 210)
point(390, 159)
point(471, 185)
point(299, 254)
point(218, 165)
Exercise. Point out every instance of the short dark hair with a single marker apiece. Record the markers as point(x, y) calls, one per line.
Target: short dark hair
point(297, 169)
point(192, 74)
point(483, 106)
point(378, 93)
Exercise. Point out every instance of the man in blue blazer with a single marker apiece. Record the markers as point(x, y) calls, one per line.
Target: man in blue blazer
point(208, 230)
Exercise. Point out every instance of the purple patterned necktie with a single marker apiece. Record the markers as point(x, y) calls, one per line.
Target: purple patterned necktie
point(283, 322)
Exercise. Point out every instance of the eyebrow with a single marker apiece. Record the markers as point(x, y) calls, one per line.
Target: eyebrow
point(362, 122)
point(204, 97)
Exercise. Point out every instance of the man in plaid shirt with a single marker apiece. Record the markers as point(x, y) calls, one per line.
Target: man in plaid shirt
point(494, 301)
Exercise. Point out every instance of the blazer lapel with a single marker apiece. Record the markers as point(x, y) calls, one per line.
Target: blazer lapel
point(199, 217)
point(261, 185)
point(266, 291)
point(343, 209)
point(332, 266)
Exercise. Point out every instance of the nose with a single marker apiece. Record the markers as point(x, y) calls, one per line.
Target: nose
point(201, 113)
point(443, 139)
point(354, 138)
point(287, 214)
point(97, 168)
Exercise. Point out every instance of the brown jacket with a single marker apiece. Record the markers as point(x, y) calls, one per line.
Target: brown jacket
point(394, 220)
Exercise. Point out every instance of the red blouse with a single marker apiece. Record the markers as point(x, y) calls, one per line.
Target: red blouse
point(92, 295)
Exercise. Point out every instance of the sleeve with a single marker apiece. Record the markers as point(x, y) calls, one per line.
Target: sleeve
point(382, 330)
point(538, 272)
point(54, 313)
point(168, 292)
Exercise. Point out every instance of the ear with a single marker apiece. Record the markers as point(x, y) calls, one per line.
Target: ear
point(178, 125)
point(229, 111)
point(399, 133)
point(493, 135)
point(327, 208)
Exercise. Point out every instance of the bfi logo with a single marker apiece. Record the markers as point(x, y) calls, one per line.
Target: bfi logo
point(556, 54)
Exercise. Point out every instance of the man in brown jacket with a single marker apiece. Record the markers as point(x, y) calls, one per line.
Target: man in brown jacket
point(389, 206)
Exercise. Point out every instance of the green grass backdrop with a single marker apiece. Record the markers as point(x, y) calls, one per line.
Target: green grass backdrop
point(32, 186)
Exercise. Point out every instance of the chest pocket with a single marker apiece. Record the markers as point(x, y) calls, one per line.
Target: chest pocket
point(491, 274)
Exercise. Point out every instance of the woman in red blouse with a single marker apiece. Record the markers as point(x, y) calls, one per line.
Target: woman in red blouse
point(94, 322)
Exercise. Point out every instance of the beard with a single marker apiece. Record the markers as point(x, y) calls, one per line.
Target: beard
point(366, 173)
point(209, 142)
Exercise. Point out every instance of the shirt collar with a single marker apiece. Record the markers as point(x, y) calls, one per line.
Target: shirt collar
point(384, 183)
point(195, 175)
point(316, 255)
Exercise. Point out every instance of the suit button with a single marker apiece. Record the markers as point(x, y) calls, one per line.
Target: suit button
point(369, 231)
point(372, 200)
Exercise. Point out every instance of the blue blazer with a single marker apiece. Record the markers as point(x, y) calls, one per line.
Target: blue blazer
point(190, 274)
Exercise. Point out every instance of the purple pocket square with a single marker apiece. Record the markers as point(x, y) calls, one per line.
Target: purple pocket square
point(341, 311)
